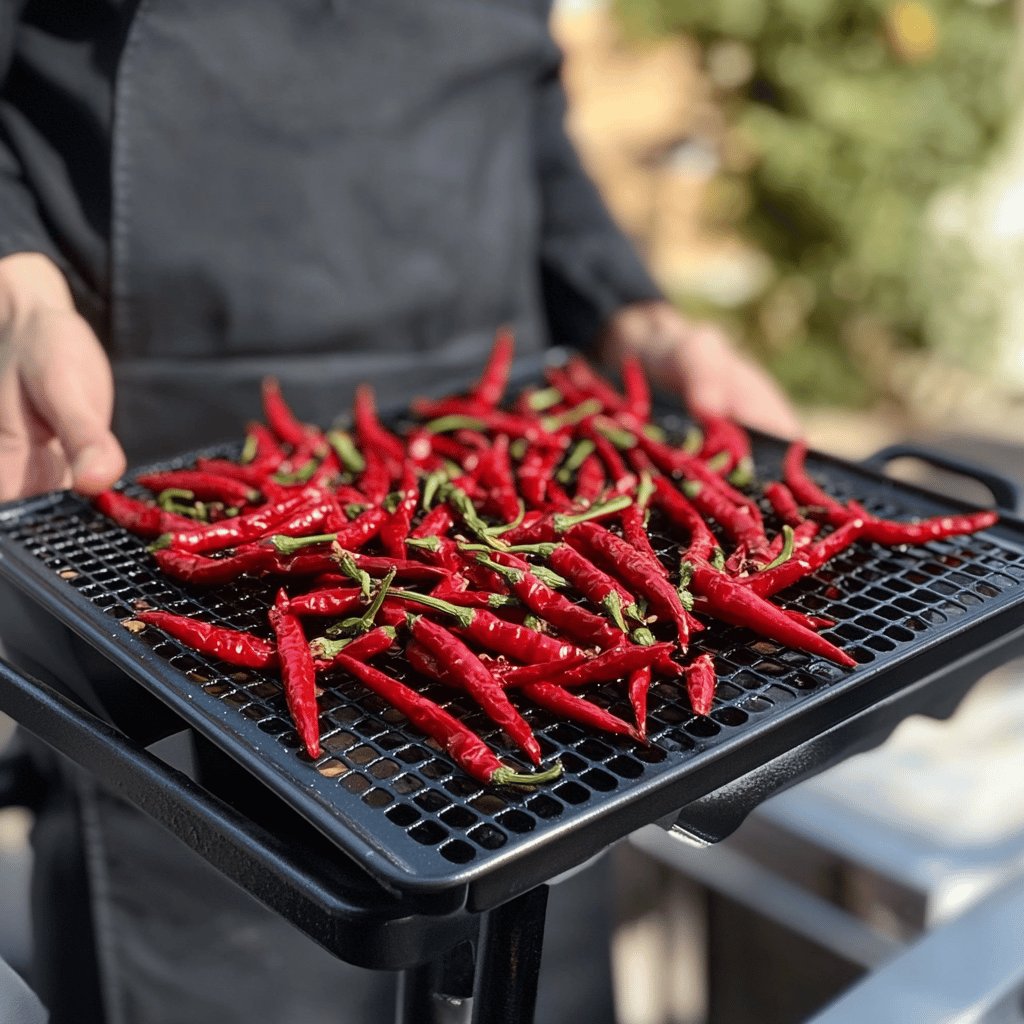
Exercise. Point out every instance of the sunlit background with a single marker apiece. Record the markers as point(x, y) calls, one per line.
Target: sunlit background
point(840, 181)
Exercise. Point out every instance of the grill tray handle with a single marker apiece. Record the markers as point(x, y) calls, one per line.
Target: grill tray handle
point(1007, 493)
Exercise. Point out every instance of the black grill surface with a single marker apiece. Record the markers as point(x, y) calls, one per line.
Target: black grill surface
point(395, 803)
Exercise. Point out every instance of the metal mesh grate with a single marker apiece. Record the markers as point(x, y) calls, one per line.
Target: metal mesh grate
point(383, 790)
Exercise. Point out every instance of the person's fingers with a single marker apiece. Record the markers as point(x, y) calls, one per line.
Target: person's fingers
point(14, 439)
point(68, 382)
point(31, 460)
point(722, 380)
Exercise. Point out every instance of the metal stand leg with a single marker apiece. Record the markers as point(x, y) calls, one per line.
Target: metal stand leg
point(504, 989)
point(439, 992)
point(508, 960)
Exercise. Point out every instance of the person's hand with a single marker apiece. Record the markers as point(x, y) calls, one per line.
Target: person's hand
point(698, 362)
point(56, 387)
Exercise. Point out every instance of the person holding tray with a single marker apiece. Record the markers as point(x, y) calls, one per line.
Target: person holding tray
point(195, 195)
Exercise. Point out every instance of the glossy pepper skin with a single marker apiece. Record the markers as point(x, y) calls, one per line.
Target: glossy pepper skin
point(605, 667)
point(733, 602)
point(596, 585)
point(279, 416)
point(463, 665)
point(298, 673)
point(579, 623)
point(230, 645)
point(700, 683)
point(617, 556)
point(546, 695)
point(468, 751)
point(138, 517)
point(205, 486)
point(882, 531)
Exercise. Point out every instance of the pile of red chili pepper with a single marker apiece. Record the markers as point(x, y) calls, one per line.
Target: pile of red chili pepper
point(504, 548)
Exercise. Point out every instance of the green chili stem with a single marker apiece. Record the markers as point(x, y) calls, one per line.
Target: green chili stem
point(576, 458)
point(506, 776)
point(569, 418)
point(567, 522)
point(289, 545)
point(248, 449)
point(787, 549)
point(544, 399)
point(444, 424)
point(345, 448)
point(497, 531)
point(464, 616)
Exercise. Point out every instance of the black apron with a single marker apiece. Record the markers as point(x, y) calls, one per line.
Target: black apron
point(328, 190)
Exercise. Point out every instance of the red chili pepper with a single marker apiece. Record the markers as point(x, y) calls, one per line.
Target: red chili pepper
point(252, 475)
point(604, 668)
point(468, 751)
point(279, 416)
point(683, 515)
point(137, 517)
point(436, 523)
point(638, 391)
point(230, 645)
point(674, 460)
point(372, 434)
point(226, 533)
point(190, 567)
point(559, 379)
point(572, 619)
point(550, 526)
point(328, 601)
point(496, 475)
point(591, 385)
point(493, 634)
point(736, 520)
point(781, 499)
point(808, 560)
point(410, 572)
point(395, 529)
point(723, 439)
point(534, 474)
point(639, 687)
point(360, 648)
point(557, 499)
point(515, 640)
point(305, 518)
point(618, 557)
point(738, 604)
point(634, 530)
point(297, 673)
point(881, 531)
point(493, 381)
point(623, 481)
point(590, 481)
point(700, 683)
point(375, 480)
point(806, 491)
point(890, 532)
point(461, 664)
point(262, 453)
point(442, 552)
point(594, 584)
point(205, 486)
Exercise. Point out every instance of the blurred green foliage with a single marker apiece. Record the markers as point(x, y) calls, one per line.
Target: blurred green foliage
point(844, 118)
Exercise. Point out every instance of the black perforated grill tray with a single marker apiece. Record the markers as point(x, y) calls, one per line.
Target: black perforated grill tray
point(390, 800)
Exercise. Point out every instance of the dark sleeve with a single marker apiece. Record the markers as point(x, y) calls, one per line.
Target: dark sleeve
point(21, 226)
point(589, 269)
